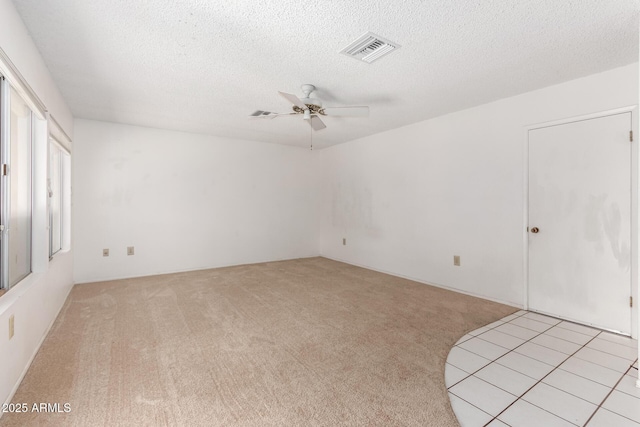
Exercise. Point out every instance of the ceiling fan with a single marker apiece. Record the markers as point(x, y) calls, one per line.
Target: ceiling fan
point(311, 109)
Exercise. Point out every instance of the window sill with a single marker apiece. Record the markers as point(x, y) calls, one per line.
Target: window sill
point(60, 251)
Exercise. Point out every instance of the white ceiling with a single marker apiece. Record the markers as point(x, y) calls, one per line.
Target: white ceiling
point(204, 66)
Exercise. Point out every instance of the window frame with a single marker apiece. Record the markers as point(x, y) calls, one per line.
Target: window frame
point(5, 136)
point(6, 90)
point(55, 145)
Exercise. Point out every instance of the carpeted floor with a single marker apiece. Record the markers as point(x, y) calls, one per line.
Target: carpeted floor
point(291, 343)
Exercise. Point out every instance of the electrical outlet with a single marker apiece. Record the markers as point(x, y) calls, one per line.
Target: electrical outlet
point(130, 250)
point(456, 260)
point(105, 252)
point(11, 326)
point(344, 241)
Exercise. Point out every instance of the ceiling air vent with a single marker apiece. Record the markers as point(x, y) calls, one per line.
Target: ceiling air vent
point(369, 47)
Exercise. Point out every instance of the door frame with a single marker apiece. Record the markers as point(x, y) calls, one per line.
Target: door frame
point(635, 185)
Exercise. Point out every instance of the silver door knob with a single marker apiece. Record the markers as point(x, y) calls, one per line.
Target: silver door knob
point(535, 229)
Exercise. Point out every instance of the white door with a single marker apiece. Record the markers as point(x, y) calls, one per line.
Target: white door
point(580, 221)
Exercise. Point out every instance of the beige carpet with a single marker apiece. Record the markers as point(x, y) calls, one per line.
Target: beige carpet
point(292, 343)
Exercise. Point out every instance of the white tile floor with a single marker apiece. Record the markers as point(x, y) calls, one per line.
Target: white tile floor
point(533, 370)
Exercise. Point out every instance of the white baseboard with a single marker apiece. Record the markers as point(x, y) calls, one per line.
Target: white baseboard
point(437, 285)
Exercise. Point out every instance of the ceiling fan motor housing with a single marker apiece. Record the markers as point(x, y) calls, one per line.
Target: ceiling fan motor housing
point(314, 105)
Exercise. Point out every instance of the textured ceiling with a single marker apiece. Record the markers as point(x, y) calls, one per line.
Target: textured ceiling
point(204, 66)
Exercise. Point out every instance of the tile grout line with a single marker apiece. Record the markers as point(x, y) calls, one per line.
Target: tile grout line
point(586, 378)
point(490, 362)
point(494, 360)
point(466, 401)
point(499, 357)
point(545, 376)
point(607, 396)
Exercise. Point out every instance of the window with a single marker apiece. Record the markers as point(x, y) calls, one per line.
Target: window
point(16, 120)
point(57, 162)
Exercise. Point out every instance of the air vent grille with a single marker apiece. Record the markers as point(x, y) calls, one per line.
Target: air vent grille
point(369, 47)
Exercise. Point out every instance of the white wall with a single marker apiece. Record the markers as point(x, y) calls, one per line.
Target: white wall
point(187, 201)
point(34, 305)
point(409, 199)
point(34, 302)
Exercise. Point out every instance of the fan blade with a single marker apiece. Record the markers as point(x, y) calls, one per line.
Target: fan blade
point(316, 123)
point(259, 114)
point(347, 111)
point(294, 100)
